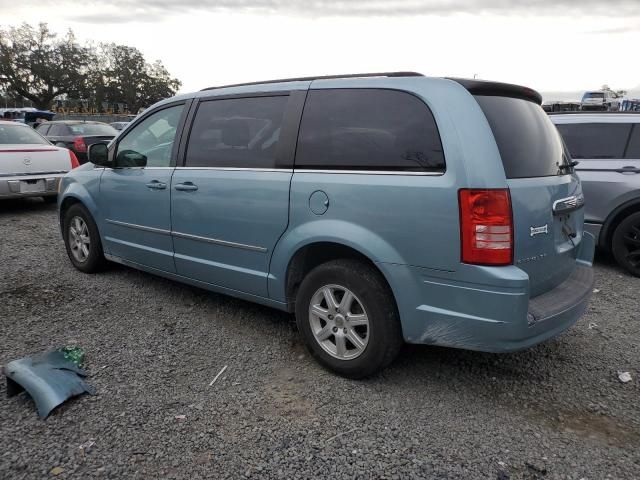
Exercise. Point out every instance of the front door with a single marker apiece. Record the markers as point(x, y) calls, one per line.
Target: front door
point(230, 203)
point(135, 195)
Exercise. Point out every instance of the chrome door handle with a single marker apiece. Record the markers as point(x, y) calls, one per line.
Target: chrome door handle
point(186, 187)
point(156, 185)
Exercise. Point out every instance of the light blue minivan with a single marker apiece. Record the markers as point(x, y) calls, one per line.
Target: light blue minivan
point(379, 208)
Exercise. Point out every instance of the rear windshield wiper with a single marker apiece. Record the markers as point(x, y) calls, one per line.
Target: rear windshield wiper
point(568, 166)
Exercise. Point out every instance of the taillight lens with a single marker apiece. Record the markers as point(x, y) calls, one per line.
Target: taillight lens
point(79, 145)
point(74, 160)
point(486, 226)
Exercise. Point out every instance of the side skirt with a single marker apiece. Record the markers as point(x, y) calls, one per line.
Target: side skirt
point(197, 283)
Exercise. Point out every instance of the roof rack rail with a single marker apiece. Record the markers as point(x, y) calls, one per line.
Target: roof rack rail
point(327, 77)
point(596, 112)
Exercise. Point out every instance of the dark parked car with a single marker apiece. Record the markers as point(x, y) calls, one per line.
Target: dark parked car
point(119, 125)
point(76, 135)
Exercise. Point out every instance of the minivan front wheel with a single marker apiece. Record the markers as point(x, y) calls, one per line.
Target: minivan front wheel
point(626, 244)
point(348, 318)
point(82, 240)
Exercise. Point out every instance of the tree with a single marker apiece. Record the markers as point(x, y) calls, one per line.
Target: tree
point(126, 77)
point(40, 66)
point(617, 93)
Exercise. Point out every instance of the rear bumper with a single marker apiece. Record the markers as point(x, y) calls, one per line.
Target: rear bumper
point(488, 309)
point(29, 186)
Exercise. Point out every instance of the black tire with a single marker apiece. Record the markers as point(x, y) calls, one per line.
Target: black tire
point(95, 260)
point(625, 244)
point(370, 289)
point(50, 199)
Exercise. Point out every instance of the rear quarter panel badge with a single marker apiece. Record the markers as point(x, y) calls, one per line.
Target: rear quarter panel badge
point(539, 230)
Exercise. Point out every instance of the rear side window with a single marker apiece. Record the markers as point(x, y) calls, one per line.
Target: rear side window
point(42, 129)
point(633, 150)
point(529, 143)
point(58, 130)
point(92, 129)
point(236, 133)
point(368, 129)
point(595, 140)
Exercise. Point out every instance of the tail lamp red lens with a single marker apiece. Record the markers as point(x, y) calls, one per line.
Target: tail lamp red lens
point(74, 160)
point(79, 145)
point(486, 226)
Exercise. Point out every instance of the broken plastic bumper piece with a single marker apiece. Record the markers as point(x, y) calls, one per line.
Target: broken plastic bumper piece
point(50, 380)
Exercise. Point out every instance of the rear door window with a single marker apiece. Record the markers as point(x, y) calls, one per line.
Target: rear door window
point(237, 133)
point(633, 150)
point(595, 140)
point(529, 143)
point(368, 129)
point(43, 129)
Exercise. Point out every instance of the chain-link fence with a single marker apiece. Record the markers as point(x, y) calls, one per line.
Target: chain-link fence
point(94, 118)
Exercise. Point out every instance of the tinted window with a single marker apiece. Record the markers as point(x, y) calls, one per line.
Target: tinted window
point(529, 143)
point(92, 129)
point(368, 130)
point(19, 134)
point(239, 132)
point(58, 130)
point(42, 129)
point(150, 143)
point(593, 95)
point(633, 150)
point(595, 140)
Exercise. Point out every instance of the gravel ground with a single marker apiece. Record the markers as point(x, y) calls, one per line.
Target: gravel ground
point(153, 346)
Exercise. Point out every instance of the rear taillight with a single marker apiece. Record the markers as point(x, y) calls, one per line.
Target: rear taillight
point(486, 226)
point(74, 160)
point(79, 145)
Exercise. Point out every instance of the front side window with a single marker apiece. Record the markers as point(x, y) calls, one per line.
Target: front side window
point(368, 129)
point(150, 143)
point(20, 135)
point(236, 132)
point(595, 140)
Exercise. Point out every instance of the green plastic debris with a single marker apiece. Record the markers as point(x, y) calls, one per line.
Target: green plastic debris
point(74, 354)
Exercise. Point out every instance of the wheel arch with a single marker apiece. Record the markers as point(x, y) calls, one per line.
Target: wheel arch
point(310, 255)
point(613, 220)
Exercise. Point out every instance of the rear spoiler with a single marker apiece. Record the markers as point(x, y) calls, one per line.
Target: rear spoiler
point(482, 87)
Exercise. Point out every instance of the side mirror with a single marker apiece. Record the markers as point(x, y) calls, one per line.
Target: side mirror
point(130, 158)
point(98, 154)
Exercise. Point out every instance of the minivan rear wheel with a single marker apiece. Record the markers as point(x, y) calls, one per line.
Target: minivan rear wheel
point(625, 244)
point(348, 318)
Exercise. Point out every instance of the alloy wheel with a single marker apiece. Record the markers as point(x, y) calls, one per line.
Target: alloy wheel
point(79, 240)
point(339, 322)
point(631, 241)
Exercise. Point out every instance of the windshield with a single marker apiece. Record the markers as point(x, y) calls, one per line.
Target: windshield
point(529, 144)
point(92, 129)
point(20, 135)
point(593, 95)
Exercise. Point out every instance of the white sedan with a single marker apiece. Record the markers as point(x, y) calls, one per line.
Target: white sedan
point(30, 166)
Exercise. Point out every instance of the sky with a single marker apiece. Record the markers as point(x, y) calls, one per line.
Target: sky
point(558, 47)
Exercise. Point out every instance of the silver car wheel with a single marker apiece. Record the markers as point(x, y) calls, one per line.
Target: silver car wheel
point(79, 240)
point(339, 322)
